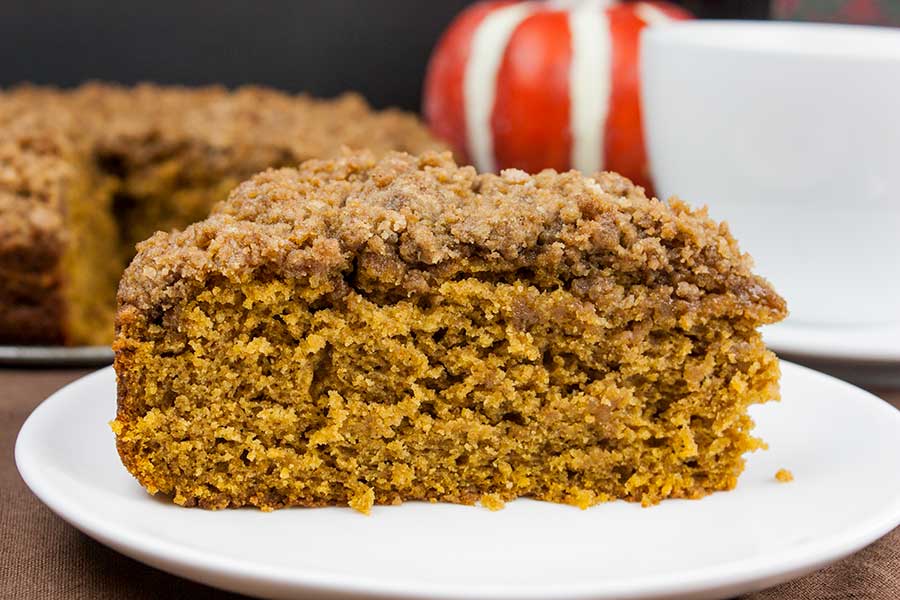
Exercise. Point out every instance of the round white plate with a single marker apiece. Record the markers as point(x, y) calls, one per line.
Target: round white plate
point(842, 444)
point(856, 343)
point(62, 356)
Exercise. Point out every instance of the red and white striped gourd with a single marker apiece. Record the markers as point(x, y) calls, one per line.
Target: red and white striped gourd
point(536, 84)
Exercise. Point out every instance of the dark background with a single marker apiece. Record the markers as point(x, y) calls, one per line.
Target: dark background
point(378, 47)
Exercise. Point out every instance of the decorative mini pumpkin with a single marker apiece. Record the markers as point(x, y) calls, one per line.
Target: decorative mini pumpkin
point(544, 84)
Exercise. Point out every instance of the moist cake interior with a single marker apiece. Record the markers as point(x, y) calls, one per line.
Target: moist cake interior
point(461, 396)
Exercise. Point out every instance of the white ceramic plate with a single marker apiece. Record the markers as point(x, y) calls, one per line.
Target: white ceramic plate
point(875, 343)
point(842, 444)
point(62, 356)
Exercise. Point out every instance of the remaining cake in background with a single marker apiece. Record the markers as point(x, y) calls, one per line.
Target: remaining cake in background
point(359, 331)
point(87, 173)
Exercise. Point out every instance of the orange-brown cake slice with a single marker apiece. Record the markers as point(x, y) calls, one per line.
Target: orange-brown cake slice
point(363, 331)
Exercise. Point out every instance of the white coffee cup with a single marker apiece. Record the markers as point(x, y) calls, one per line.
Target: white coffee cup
point(790, 132)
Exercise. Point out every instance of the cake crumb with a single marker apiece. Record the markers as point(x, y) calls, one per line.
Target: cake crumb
point(584, 499)
point(492, 501)
point(784, 476)
point(363, 500)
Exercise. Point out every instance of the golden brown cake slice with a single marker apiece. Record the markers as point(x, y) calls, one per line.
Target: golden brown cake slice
point(87, 173)
point(359, 331)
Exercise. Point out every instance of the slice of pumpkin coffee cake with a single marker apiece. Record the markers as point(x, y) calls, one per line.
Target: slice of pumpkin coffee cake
point(358, 331)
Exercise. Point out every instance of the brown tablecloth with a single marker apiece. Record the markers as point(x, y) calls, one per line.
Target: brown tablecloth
point(43, 557)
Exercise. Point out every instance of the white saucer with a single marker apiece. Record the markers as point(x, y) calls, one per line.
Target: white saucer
point(842, 444)
point(855, 343)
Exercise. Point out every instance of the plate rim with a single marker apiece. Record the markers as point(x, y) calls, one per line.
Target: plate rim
point(24, 355)
point(186, 561)
point(831, 344)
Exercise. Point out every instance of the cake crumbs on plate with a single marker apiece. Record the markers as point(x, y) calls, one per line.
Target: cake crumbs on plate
point(784, 476)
